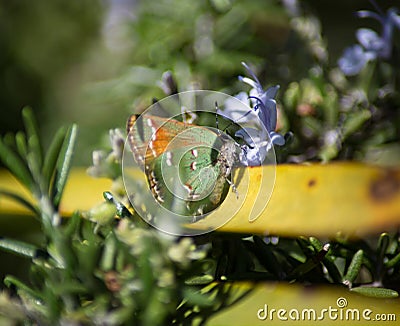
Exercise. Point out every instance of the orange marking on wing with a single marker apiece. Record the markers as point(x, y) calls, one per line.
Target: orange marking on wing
point(160, 141)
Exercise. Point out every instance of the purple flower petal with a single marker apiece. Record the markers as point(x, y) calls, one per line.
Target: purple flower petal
point(370, 40)
point(370, 14)
point(277, 139)
point(353, 60)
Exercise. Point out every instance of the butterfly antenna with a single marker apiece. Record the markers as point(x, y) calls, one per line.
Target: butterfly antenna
point(256, 107)
point(236, 121)
point(217, 121)
point(231, 123)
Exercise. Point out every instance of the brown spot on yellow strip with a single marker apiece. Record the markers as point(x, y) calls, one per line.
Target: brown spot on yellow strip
point(340, 201)
point(385, 187)
point(351, 198)
point(312, 182)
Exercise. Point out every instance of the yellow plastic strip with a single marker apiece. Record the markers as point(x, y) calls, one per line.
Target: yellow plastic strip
point(319, 200)
point(82, 192)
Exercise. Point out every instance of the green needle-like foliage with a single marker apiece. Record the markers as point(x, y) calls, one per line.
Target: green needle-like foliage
point(105, 265)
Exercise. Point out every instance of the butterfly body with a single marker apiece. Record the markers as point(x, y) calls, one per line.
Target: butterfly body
point(188, 167)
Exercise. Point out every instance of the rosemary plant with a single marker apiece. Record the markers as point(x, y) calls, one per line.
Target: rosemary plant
point(103, 266)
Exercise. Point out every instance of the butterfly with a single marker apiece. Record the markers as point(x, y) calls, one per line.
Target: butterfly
point(188, 167)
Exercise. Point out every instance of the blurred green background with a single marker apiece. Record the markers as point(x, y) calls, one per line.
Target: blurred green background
point(95, 62)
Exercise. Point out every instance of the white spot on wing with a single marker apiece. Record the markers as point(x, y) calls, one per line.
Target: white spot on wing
point(151, 146)
point(169, 158)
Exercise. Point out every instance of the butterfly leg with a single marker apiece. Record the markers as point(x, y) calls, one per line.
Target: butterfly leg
point(234, 189)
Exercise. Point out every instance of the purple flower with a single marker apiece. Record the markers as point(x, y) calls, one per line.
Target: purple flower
point(260, 138)
point(354, 59)
point(264, 105)
point(371, 45)
point(382, 45)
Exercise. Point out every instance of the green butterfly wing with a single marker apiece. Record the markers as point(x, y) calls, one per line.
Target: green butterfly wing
point(188, 186)
point(183, 163)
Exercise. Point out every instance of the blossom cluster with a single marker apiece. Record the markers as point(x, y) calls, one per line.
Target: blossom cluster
point(371, 45)
point(259, 140)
